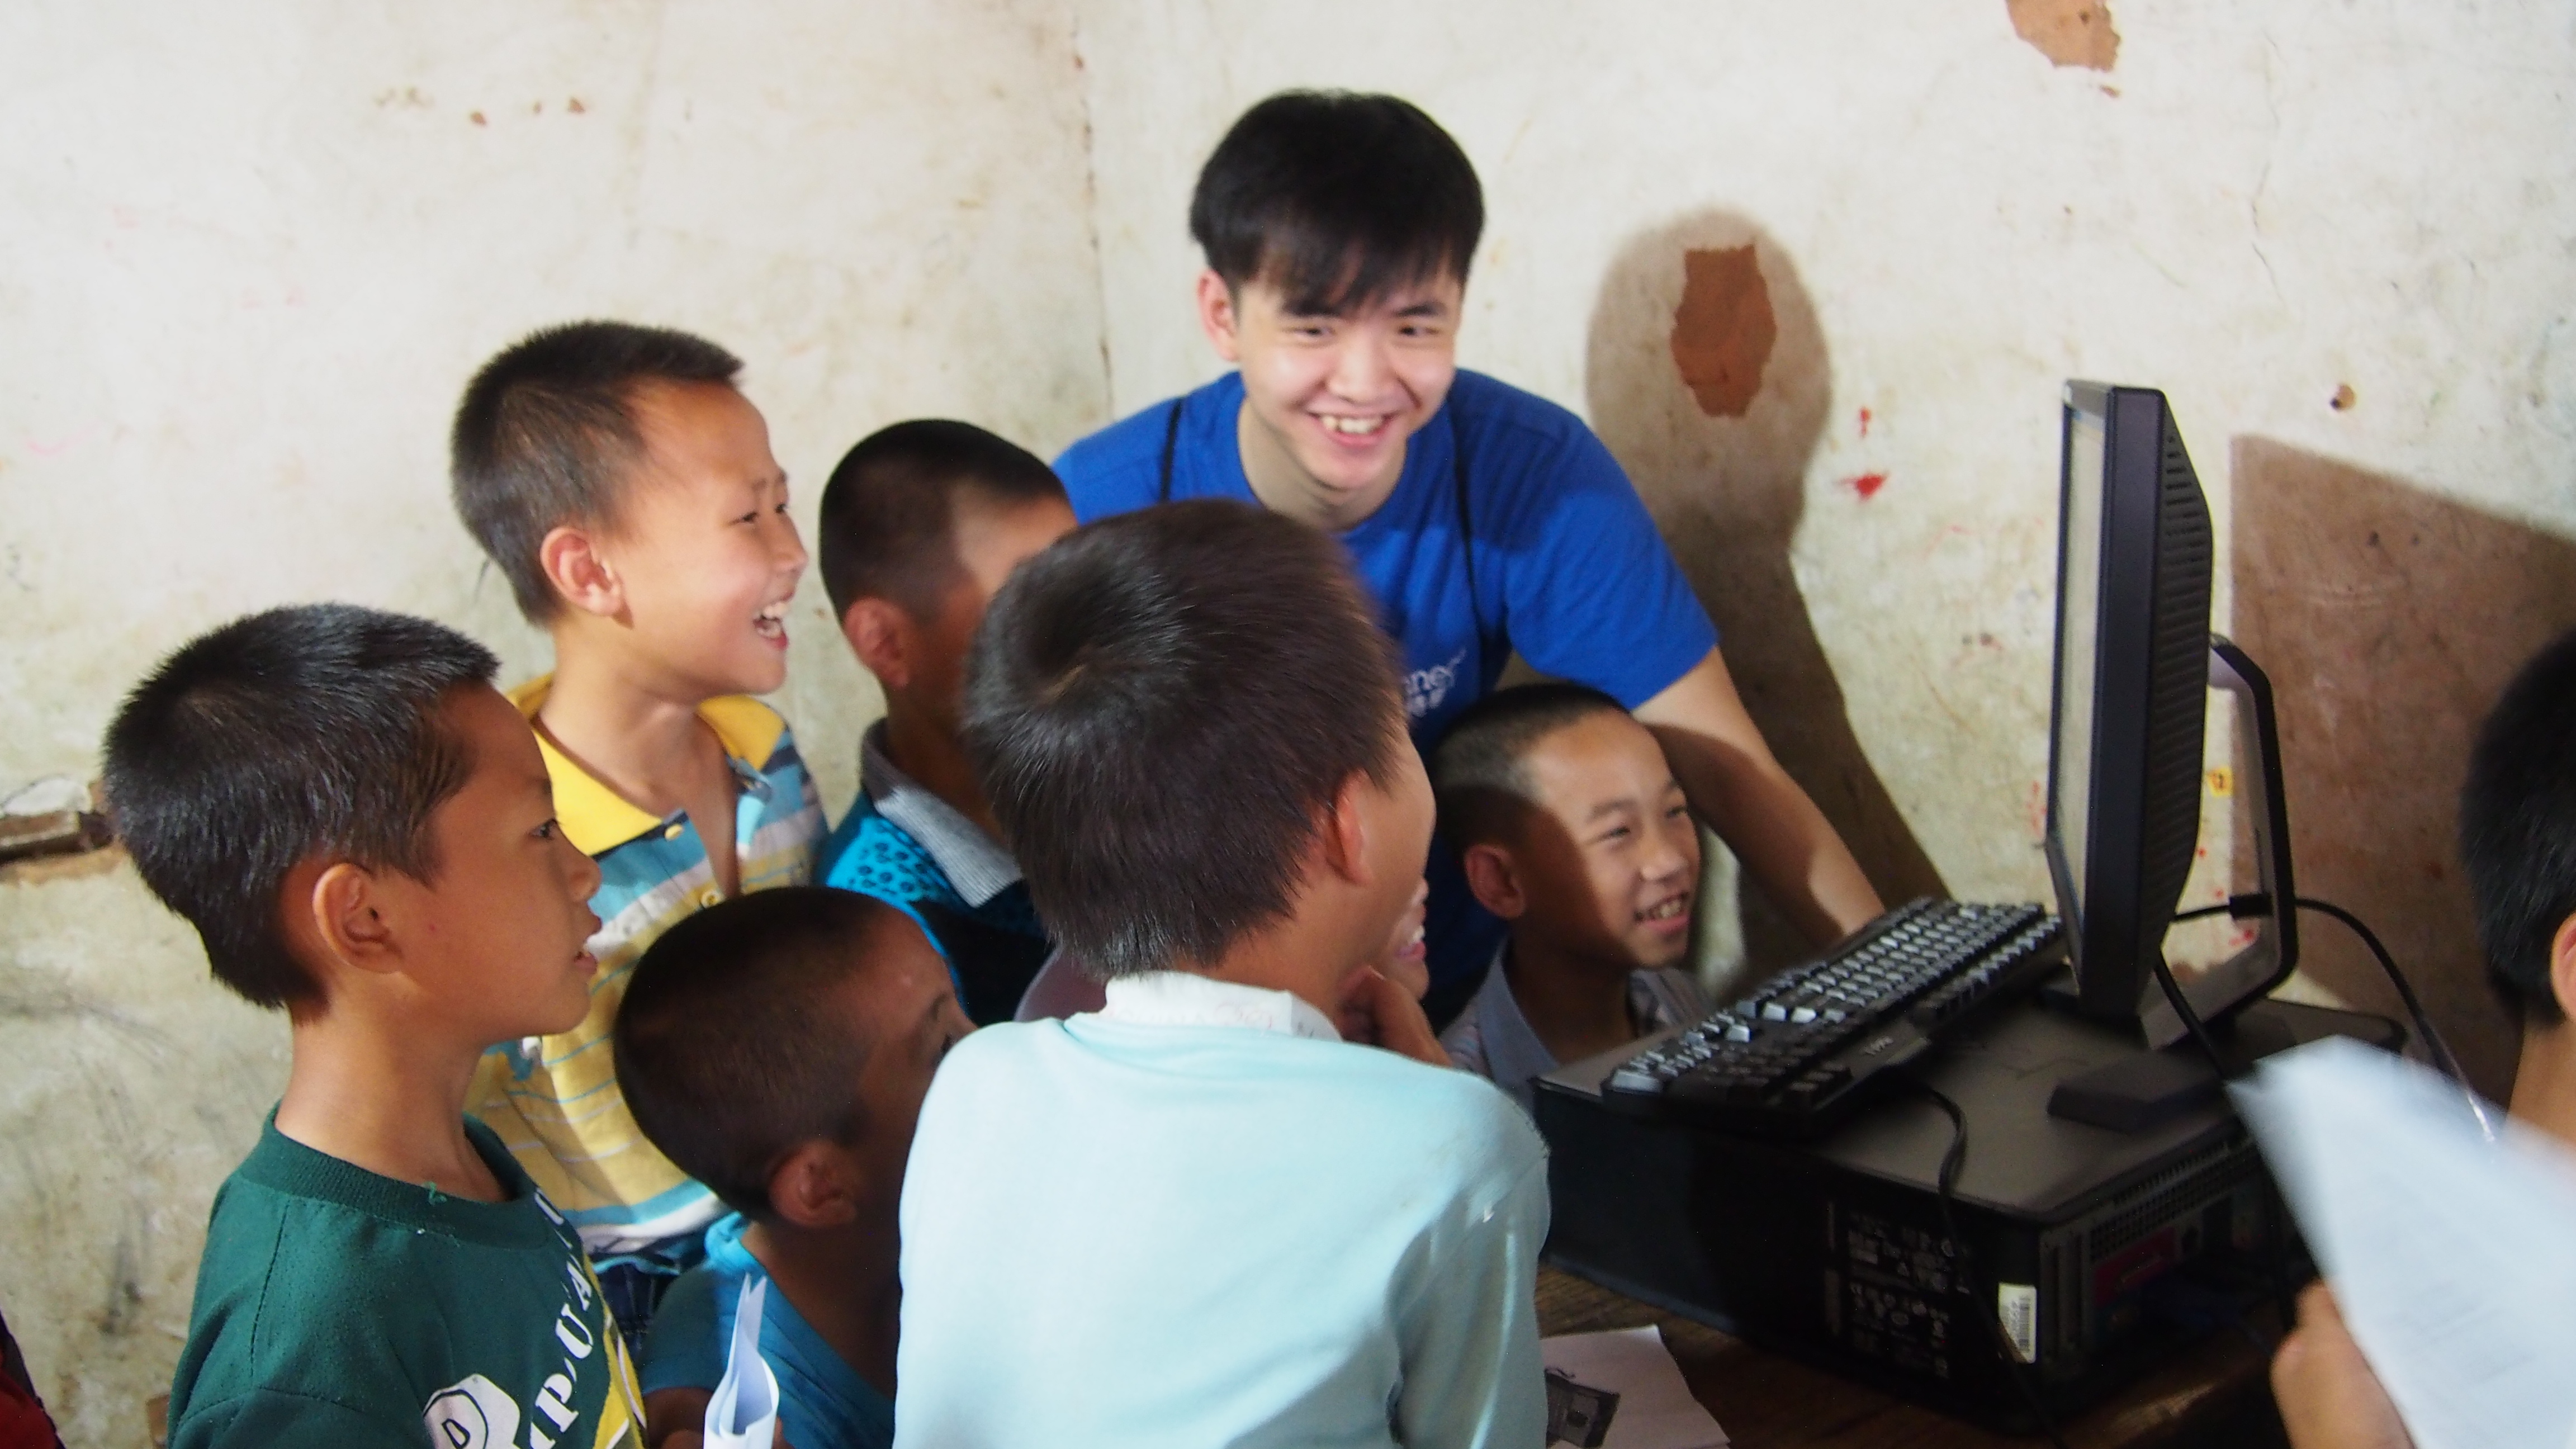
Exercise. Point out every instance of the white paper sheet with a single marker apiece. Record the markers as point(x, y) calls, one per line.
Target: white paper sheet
point(2453, 1258)
point(1656, 1410)
point(743, 1411)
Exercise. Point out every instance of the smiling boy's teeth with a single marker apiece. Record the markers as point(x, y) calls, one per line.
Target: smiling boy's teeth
point(1359, 427)
point(1668, 909)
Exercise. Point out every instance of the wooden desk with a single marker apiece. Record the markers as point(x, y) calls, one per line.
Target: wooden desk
point(1765, 1401)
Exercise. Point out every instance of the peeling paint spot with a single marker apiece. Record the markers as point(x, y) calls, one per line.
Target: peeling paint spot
point(409, 98)
point(1866, 485)
point(1723, 330)
point(2343, 399)
point(2068, 32)
point(576, 107)
point(476, 117)
point(56, 447)
point(1864, 422)
point(536, 108)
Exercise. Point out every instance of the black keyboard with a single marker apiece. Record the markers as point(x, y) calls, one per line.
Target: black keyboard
point(1794, 1058)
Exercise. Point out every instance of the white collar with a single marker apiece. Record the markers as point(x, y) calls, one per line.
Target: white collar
point(1185, 998)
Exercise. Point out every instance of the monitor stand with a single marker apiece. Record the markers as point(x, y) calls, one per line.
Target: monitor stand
point(2143, 1092)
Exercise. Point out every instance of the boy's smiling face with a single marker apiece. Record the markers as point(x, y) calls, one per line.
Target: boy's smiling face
point(1608, 859)
point(497, 941)
point(703, 547)
point(1330, 399)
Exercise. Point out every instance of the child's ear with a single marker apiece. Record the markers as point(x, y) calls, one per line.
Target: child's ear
point(816, 1186)
point(2562, 967)
point(1344, 837)
point(1495, 879)
point(581, 575)
point(338, 910)
point(1216, 314)
point(878, 636)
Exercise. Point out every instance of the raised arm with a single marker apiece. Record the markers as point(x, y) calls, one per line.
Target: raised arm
point(1735, 784)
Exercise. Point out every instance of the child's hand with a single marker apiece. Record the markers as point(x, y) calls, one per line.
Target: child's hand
point(1384, 1013)
point(2329, 1398)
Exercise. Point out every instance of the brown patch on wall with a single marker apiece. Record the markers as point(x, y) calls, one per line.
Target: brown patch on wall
point(2068, 32)
point(2389, 620)
point(1723, 330)
point(1725, 477)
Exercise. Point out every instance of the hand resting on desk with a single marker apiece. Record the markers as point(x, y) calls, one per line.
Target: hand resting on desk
point(2329, 1398)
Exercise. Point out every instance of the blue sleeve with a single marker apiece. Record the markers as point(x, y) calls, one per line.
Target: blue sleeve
point(685, 1349)
point(1117, 469)
point(1591, 591)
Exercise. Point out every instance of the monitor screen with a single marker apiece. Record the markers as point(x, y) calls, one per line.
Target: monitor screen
point(2070, 755)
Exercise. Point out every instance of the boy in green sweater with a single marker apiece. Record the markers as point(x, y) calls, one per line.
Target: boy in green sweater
point(362, 831)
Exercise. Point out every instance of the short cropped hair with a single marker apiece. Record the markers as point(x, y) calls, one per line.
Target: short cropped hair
point(723, 1049)
point(1479, 771)
point(311, 732)
point(889, 513)
point(2518, 829)
point(547, 436)
point(1162, 707)
point(1337, 199)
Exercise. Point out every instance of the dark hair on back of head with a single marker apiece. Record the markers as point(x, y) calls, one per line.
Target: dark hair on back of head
point(1337, 199)
point(1161, 708)
point(2518, 829)
point(1477, 771)
point(546, 435)
point(889, 513)
point(724, 1050)
point(299, 733)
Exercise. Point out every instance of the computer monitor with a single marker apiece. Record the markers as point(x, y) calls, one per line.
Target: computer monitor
point(2128, 713)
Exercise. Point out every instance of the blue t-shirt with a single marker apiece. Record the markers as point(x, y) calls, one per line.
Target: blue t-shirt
point(822, 1401)
point(1567, 566)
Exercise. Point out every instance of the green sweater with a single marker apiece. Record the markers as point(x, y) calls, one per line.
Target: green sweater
point(337, 1307)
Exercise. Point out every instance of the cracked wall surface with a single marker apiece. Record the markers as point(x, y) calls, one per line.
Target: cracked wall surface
point(252, 255)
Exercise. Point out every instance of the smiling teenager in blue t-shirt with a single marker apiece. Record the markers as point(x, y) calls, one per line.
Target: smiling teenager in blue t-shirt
point(1338, 231)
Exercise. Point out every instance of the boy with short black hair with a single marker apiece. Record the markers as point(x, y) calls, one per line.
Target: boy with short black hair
point(1573, 831)
point(2518, 845)
point(921, 522)
point(1201, 1215)
point(777, 1047)
point(1338, 230)
point(624, 485)
point(362, 832)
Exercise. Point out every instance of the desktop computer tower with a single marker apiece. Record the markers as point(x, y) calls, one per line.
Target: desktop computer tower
point(2091, 1253)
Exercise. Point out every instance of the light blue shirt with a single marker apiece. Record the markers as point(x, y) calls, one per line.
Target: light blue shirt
point(1197, 1217)
point(823, 1403)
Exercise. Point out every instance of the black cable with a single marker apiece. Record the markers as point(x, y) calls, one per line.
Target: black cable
point(2438, 1049)
point(2255, 904)
point(1952, 1162)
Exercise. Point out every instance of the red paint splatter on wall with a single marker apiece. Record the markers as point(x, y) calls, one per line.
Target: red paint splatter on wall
point(1864, 422)
point(1866, 485)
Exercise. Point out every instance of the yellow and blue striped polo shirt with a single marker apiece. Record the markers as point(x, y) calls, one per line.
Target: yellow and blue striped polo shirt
point(554, 1100)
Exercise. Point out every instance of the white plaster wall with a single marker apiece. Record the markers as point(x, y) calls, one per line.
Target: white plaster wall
point(248, 255)
point(2266, 199)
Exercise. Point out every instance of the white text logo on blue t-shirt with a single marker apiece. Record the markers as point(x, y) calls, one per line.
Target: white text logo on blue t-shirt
point(1424, 689)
